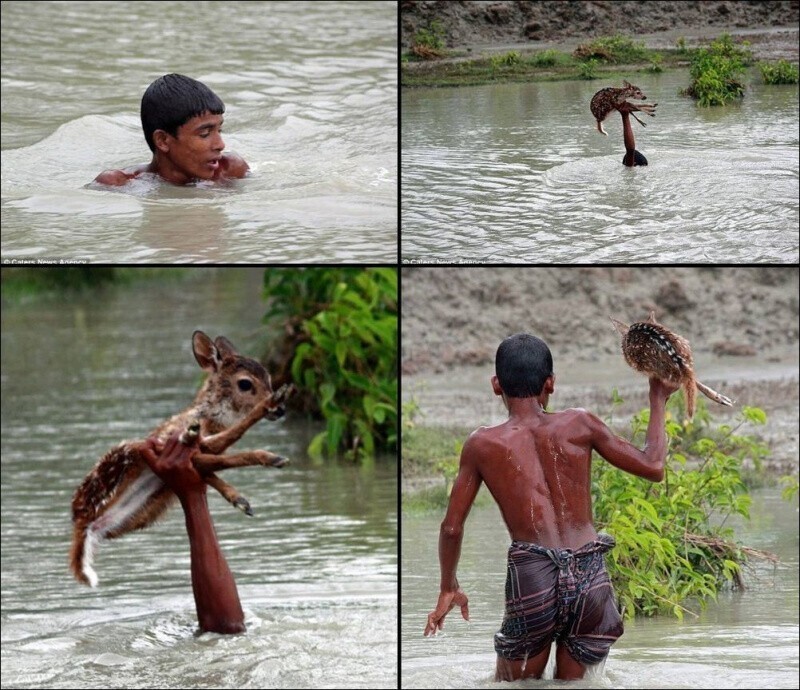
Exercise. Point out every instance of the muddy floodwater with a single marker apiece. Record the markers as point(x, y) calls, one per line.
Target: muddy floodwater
point(519, 173)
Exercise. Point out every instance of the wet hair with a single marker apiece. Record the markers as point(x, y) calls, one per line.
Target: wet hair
point(522, 365)
point(638, 159)
point(172, 100)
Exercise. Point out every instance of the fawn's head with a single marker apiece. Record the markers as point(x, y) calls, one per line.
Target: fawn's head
point(632, 91)
point(235, 383)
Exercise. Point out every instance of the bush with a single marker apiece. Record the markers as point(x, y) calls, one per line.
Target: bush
point(715, 72)
point(673, 545)
point(340, 340)
point(780, 72)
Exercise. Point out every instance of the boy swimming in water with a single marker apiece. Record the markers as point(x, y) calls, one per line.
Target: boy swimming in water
point(182, 123)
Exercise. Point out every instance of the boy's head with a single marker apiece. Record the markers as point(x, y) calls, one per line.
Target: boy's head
point(522, 365)
point(171, 101)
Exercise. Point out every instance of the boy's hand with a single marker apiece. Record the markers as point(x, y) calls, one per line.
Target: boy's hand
point(661, 390)
point(172, 463)
point(447, 601)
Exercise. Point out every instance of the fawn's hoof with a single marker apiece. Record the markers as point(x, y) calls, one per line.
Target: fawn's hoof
point(280, 461)
point(244, 505)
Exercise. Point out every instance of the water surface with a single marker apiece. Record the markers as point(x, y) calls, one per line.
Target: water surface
point(519, 173)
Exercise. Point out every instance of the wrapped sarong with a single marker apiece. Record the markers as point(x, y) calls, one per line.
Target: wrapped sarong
point(559, 595)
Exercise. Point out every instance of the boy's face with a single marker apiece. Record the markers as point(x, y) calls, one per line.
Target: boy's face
point(197, 148)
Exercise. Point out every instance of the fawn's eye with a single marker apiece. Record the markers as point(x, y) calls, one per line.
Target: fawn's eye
point(244, 385)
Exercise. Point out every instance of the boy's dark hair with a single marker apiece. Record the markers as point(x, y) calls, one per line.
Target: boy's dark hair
point(522, 365)
point(172, 100)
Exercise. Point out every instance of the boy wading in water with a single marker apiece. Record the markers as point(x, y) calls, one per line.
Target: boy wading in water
point(182, 123)
point(537, 467)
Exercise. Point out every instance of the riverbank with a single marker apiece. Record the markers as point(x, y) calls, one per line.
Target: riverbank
point(503, 41)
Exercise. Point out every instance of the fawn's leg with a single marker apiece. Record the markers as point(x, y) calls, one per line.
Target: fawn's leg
point(271, 407)
point(230, 494)
point(207, 463)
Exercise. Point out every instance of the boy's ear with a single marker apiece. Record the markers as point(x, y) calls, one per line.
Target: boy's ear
point(550, 384)
point(496, 386)
point(161, 140)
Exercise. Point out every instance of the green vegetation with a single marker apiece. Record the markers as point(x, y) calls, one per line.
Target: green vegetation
point(606, 55)
point(716, 72)
point(428, 43)
point(588, 69)
point(675, 546)
point(340, 345)
point(780, 72)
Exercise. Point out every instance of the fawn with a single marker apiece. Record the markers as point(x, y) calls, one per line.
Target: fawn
point(121, 493)
point(610, 98)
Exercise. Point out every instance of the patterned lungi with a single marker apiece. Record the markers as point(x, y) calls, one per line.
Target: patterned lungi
point(559, 595)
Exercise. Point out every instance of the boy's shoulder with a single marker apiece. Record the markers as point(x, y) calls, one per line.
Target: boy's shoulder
point(117, 178)
point(233, 165)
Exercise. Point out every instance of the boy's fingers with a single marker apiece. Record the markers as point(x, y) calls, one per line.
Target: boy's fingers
point(150, 456)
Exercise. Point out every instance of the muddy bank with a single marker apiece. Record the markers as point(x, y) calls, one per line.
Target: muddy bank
point(483, 23)
point(742, 323)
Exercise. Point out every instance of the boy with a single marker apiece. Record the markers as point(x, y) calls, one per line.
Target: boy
point(537, 467)
point(182, 123)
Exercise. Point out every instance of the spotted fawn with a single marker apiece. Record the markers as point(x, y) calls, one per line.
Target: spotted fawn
point(121, 493)
point(610, 98)
point(656, 351)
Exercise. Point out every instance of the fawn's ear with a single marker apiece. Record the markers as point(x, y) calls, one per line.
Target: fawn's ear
point(652, 318)
point(625, 82)
point(205, 352)
point(225, 348)
point(621, 328)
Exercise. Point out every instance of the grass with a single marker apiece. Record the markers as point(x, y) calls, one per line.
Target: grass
point(604, 57)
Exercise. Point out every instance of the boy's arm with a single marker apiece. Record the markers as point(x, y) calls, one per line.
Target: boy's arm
point(648, 462)
point(462, 495)
point(216, 598)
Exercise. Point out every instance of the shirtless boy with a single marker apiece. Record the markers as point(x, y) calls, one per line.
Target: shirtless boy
point(537, 467)
point(182, 123)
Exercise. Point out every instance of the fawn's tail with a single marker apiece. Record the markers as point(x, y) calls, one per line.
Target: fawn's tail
point(716, 397)
point(84, 543)
point(600, 128)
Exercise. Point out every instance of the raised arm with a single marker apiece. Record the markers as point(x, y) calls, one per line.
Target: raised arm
point(216, 598)
point(648, 462)
point(462, 495)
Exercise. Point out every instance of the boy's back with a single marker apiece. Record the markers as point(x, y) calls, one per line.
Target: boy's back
point(538, 470)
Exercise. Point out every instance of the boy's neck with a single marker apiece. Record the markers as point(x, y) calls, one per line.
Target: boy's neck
point(526, 407)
